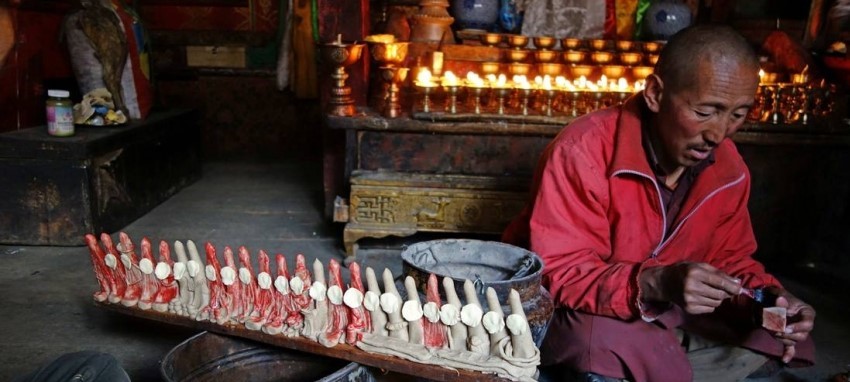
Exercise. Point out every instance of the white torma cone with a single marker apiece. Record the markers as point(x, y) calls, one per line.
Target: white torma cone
point(391, 304)
point(372, 303)
point(479, 340)
point(412, 313)
point(494, 320)
point(200, 291)
point(517, 323)
point(316, 318)
point(450, 316)
point(181, 274)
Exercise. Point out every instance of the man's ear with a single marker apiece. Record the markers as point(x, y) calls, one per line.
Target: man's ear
point(653, 91)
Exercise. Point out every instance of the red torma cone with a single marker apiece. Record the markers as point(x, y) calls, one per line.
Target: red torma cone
point(150, 286)
point(215, 308)
point(300, 300)
point(281, 301)
point(249, 283)
point(168, 287)
point(359, 320)
point(338, 313)
point(264, 296)
point(232, 286)
point(434, 330)
point(101, 271)
point(131, 265)
point(119, 275)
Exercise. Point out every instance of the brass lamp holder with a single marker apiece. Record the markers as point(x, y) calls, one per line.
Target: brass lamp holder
point(340, 55)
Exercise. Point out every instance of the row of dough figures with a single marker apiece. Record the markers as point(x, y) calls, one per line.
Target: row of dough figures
point(326, 310)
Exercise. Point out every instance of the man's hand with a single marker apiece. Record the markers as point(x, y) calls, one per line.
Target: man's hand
point(801, 321)
point(698, 288)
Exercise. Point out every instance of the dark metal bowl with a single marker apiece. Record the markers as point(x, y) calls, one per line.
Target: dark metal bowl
point(213, 357)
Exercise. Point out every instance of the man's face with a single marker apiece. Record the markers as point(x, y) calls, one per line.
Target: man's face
point(691, 121)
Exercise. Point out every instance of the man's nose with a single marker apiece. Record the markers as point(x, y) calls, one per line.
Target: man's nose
point(713, 135)
point(716, 132)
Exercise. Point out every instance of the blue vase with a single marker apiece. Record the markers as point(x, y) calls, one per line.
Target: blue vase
point(666, 17)
point(476, 14)
point(509, 18)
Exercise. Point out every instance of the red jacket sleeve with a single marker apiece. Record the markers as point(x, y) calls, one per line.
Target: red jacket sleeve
point(571, 232)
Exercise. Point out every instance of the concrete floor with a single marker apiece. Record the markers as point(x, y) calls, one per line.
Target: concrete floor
point(46, 291)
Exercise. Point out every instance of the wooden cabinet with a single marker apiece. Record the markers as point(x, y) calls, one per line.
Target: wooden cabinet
point(55, 190)
point(409, 176)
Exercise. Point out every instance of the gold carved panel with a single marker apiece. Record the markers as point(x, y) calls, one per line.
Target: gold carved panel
point(434, 209)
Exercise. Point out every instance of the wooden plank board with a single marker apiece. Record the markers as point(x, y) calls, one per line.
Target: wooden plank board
point(341, 351)
point(367, 119)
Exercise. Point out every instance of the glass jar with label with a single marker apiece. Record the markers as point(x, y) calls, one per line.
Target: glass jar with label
point(60, 115)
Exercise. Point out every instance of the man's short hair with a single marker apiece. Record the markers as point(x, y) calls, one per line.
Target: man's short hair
point(679, 60)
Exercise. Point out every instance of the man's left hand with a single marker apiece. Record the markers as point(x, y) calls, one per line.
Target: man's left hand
point(801, 321)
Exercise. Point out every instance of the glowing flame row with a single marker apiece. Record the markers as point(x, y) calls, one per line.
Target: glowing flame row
point(474, 80)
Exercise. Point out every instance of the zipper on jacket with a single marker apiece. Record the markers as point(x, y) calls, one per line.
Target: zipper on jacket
point(664, 241)
point(660, 205)
point(701, 202)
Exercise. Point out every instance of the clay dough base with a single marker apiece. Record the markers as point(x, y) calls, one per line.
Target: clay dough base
point(522, 370)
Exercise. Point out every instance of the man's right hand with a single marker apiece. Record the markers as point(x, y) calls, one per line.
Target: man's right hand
point(698, 288)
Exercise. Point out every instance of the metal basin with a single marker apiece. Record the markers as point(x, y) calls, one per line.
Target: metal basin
point(487, 264)
point(213, 357)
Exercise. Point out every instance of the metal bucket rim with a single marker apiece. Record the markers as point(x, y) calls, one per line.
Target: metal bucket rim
point(407, 253)
point(168, 358)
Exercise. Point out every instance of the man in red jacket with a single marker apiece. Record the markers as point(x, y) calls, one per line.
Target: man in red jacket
point(640, 216)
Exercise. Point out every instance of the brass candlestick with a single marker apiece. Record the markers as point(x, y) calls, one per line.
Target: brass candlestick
point(755, 112)
point(517, 41)
point(597, 99)
point(452, 90)
point(340, 55)
point(824, 103)
point(802, 111)
point(491, 39)
point(392, 76)
point(774, 115)
point(621, 97)
point(526, 93)
point(574, 103)
point(426, 98)
point(390, 55)
point(550, 97)
point(476, 99)
point(501, 93)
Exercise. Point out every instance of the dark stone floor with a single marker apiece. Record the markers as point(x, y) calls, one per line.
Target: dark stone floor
point(45, 292)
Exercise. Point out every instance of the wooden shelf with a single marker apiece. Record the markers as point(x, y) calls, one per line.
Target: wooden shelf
point(366, 119)
point(518, 125)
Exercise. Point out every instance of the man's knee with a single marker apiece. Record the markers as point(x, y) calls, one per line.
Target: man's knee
point(611, 347)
